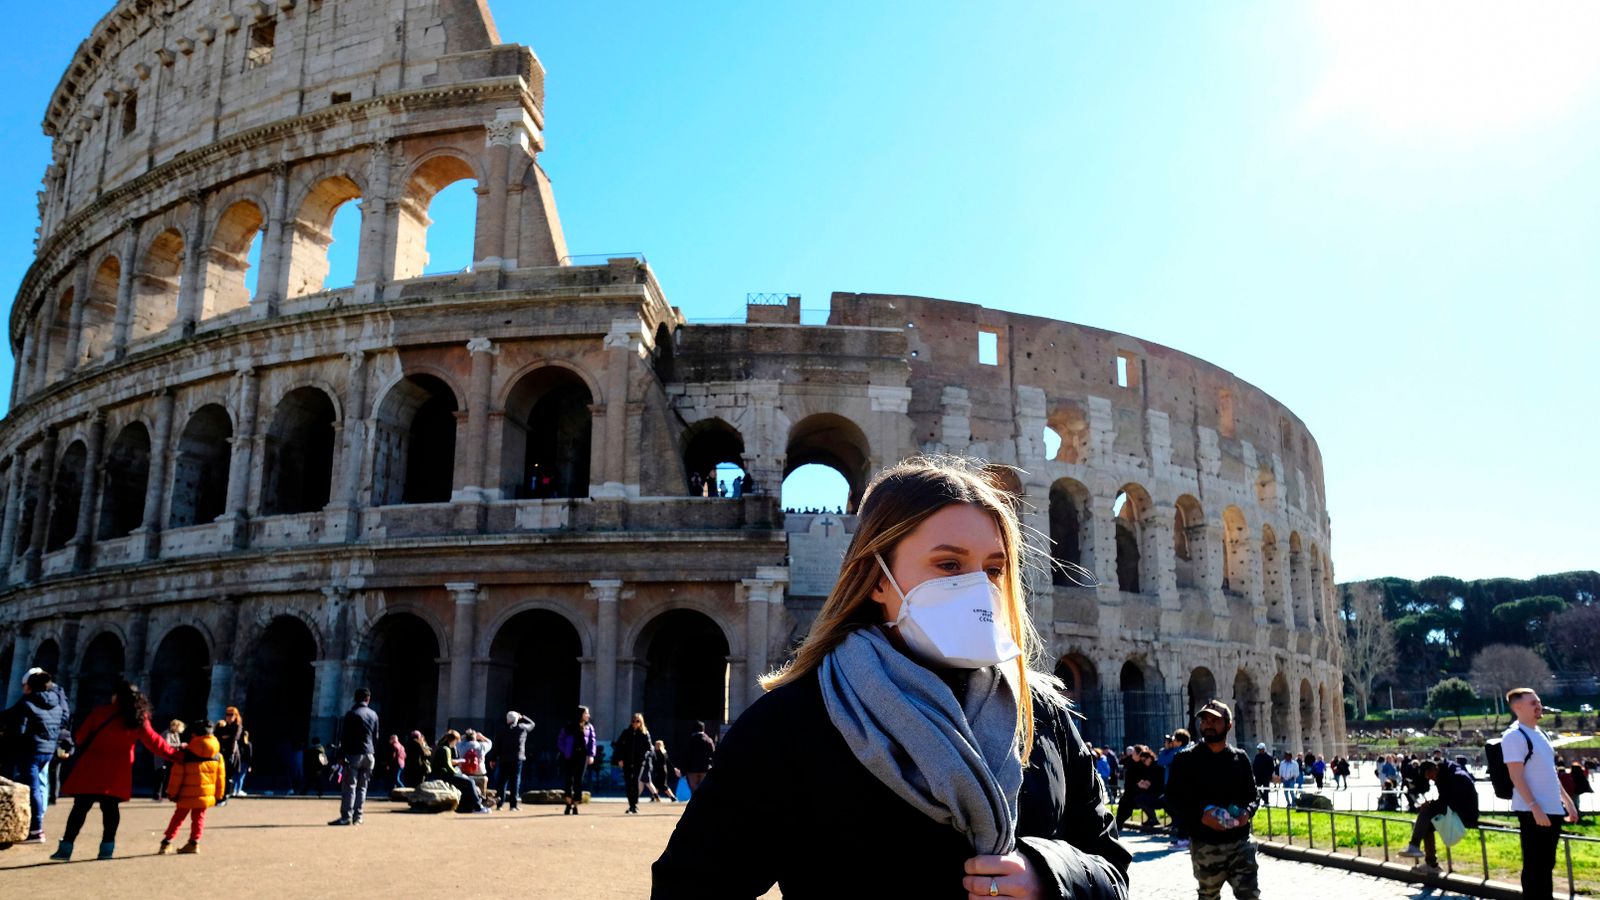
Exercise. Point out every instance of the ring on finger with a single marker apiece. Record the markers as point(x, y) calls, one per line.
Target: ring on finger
point(994, 887)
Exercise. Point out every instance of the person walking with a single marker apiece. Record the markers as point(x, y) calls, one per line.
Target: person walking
point(1341, 773)
point(935, 757)
point(1211, 793)
point(103, 774)
point(358, 749)
point(662, 770)
point(175, 739)
point(235, 742)
point(698, 758)
point(33, 729)
point(1319, 768)
point(418, 764)
point(1537, 798)
point(1289, 777)
point(396, 762)
point(1264, 769)
point(575, 748)
point(446, 769)
point(513, 754)
point(197, 783)
point(1458, 793)
point(631, 751)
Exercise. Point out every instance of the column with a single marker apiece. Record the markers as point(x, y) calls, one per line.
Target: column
point(236, 519)
point(221, 691)
point(474, 479)
point(41, 510)
point(272, 281)
point(607, 593)
point(342, 515)
point(191, 291)
point(138, 646)
point(83, 534)
point(626, 343)
point(148, 534)
point(30, 374)
point(80, 298)
point(465, 594)
point(130, 263)
point(760, 595)
point(502, 136)
point(375, 264)
point(21, 661)
point(8, 532)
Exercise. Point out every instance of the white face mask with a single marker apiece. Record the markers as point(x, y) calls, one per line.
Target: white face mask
point(953, 622)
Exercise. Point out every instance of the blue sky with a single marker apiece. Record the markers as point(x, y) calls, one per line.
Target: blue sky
point(1385, 218)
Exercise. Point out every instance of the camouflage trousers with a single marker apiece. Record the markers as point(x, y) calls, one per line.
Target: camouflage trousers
point(1233, 864)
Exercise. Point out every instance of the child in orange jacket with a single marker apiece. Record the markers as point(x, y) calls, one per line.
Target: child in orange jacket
point(196, 784)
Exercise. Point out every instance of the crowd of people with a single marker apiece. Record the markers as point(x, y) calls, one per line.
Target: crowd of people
point(709, 485)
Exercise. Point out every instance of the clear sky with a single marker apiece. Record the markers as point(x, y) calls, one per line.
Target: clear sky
point(1386, 218)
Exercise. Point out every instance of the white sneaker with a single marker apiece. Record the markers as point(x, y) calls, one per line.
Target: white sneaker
point(1423, 868)
point(1411, 853)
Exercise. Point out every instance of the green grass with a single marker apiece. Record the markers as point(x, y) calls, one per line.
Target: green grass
point(1504, 852)
point(1586, 744)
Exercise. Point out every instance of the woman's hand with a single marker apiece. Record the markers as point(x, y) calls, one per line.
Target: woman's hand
point(1011, 875)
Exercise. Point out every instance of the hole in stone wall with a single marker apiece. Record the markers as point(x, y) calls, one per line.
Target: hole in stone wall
point(130, 114)
point(262, 37)
point(1052, 443)
point(1225, 413)
point(988, 348)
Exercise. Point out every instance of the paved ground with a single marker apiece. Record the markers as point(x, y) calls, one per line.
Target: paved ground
point(282, 848)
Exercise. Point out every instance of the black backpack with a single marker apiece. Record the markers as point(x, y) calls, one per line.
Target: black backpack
point(1499, 775)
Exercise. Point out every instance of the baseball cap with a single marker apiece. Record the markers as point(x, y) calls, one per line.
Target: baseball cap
point(1261, 746)
point(1216, 708)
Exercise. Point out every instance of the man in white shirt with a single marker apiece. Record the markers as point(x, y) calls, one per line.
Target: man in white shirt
point(1289, 777)
point(1538, 800)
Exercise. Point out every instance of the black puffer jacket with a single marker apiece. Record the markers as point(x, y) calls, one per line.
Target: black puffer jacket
point(834, 830)
point(33, 724)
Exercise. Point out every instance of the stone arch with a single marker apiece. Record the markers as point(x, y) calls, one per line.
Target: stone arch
point(55, 329)
point(1308, 716)
point(279, 679)
point(1079, 678)
point(1299, 582)
point(1189, 545)
point(535, 667)
point(681, 673)
point(1247, 716)
point(311, 234)
point(1144, 700)
point(298, 475)
point(180, 675)
point(1316, 598)
point(1282, 724)
point(707, 444)
point(414, 451)
point(834, 441)
point(1272, 578)
point(100, 311)
point(101, 670)
point(156, 284)
point(1235, 552)
point(227, 257)
point(127, 476)
point(200, 467)
point(1071, 425)
point(546, 443)
point(47, 655)
point(32, 484)
point(432, 173)
point(1071, 527)
point(1136, 561)
point(400, 658)
point(65, 496)
point(1202, 689)
point(664, 352)
point(487, 634)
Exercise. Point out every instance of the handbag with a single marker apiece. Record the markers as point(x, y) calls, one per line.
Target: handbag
point(1449, 827)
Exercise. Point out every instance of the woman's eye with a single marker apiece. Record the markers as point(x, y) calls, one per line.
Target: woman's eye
point(948, 565)
point(995, 572)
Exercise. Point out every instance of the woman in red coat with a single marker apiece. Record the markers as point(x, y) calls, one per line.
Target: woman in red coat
point(103, 772)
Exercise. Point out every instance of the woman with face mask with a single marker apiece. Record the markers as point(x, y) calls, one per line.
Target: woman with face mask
point(934, 759)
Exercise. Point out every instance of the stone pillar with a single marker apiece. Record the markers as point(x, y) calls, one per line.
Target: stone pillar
point(1103, 530)
point(236, 519)
point(342, 516)
point(474, 478)
point(80, 299)
point(125, 299)
point(83, 534)
point(607, 595)
point(625, 341)
point(21, 661)
point(148, 534)
point(191, 291)
point(465, 594)
point(134, 658)
point(30, 374)
point(272, 282)
point(759, 595)
point(375, 262)
point(41, 510)
point(8, 532)
point(489, 250)
point(221, 692)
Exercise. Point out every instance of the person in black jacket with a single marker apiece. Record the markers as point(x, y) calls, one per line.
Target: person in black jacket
point(930, 756)
point(696, 761)
point(631, 750)
point(1211, 794)
point(358, 749)
point(33, 728)
point(511, 752)
point(1143, 789)
point(1458, 792)
point(1263, 766)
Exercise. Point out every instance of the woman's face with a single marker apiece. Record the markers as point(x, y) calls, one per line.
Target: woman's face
point(638, 723)
point(584, 720)
point(958, 539)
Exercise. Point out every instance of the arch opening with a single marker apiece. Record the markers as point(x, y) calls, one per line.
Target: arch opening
point(442, 191)
point(47, 656)
point(1202, 689)
point(229, 272)
point(180, 676)
point(548, 435)
point(55, 326)
point(403, 673)
point(1130, 509)
point(1271, 576)
point(278, 696)
point(156, 286)
point(1246, 710)
point(833, 441)
point(329, 216)
point(200, 468)
point(299, 455)
point(684, 675)
point(65, 497)
point(99, 312)
point(713, 457)
point(414, 457)
point(1189, 542)
point(127, 478)
point(1280, 711)
point(1070, 429)
point(100, 673)
point(1144, 703)
point(1070, 523)
point(534, 669)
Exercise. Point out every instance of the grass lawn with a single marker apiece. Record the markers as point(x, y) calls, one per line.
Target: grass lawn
point(1466, 858)
point(1585, 744)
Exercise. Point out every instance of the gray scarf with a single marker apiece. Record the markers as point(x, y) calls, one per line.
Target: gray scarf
point(955, 762)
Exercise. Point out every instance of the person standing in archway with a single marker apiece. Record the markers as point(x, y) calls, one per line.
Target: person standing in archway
point(575, 746)
point(513, 752)
point(235, 743)
point(631, 751)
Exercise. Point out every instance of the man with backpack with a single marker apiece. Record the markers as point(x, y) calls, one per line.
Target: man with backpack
point(1458, 794)
point(1522, 766)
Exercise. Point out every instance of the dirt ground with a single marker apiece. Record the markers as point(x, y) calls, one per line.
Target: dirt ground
point(268, 847)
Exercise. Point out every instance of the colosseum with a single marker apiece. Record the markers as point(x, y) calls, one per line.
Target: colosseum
point(233, 482)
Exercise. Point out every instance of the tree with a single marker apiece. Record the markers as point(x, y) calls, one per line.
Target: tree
point(1526, 617)
point(1574, 638)
point(1451, 695)
point(1501, 667)
point(1369, 639)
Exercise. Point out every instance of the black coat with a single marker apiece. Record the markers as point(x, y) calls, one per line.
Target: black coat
point(632, 749)
point(34, 724)
point(513, 740)
point(829, 828)
point(358, 732)
point(1459, 791)
point(697, 759)
point(1264, 767)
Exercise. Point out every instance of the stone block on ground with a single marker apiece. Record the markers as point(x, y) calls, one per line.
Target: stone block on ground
point(16, 807)
point(434, 797)
point(550, 797)
point(1313, 801)
point(402, 794)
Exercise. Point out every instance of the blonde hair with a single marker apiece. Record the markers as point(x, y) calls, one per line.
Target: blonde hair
point(897, 501)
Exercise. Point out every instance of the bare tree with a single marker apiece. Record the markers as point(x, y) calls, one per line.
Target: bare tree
point(1369, 640)
point(1500, 667)
point(1574, 638)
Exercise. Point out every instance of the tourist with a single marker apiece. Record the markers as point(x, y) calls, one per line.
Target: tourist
point(697, 761)
point(722, 488)
point(1537, 798)
point(394, 762)
point(103, 773)
point(197, 782)
point(575, 748)
point(445, 769)
point(1289, 777)
point(663, 772)
point(1141, 790)
point(473, 753)
point(175, 739)
point(1211, 794)
point(922, 747)
point(1319, 768)
point(1177, 742)
point(1264, 769)
point(697, 485)
point(316, 763)
point(1575, 781)
point(357, 751)
point(513, 754)
point(235, 742)
point(737, 490)
point(1102, 767)
point(631, 751)
point(33, 729)
point(418, 762)
point(1458, 793)
point(1341, 773)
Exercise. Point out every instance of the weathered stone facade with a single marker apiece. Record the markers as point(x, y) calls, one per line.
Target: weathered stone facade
point(470, 490)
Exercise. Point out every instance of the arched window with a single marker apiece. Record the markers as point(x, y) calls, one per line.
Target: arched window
point(415, 444)
point(127, 476)
point(1235, 552)
point(1272, 576)
point(156, 286)
point(299, 458)
point(835, 442)
point(1071, 430)
point(1070, 521)
point(100, 311)
point(685, 676)
point(65, 497)
point(713, 456)
point(1189, 542)
point(228, 271)
point(548, 429)
point(200, 469)
point(1130, 509)
point(433, 192)
point(329, 216)
point(57, 326)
